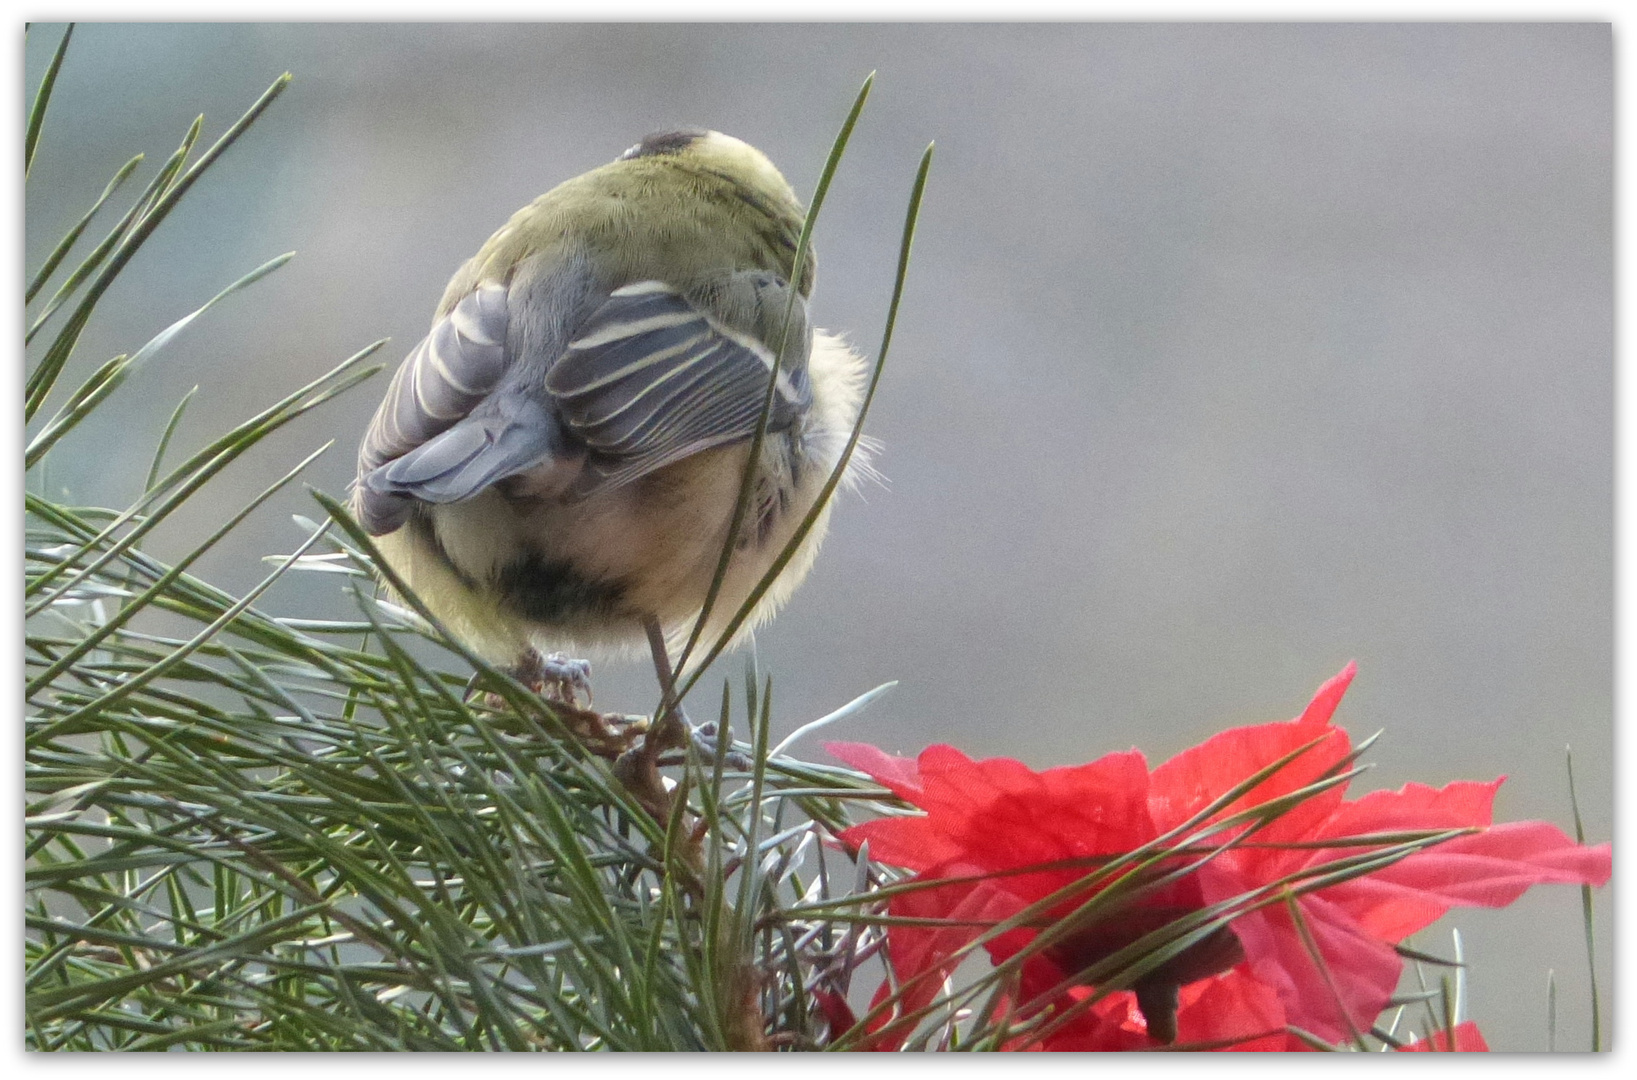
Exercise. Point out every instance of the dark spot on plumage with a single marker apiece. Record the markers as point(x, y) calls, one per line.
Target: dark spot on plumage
point(665, 142)
point(552, 591)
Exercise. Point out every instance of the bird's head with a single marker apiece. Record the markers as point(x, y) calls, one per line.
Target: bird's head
point(720, 159)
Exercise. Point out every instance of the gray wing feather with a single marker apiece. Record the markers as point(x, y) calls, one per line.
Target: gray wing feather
point(649, 379)
point(412, 450)
point(442, 379)
point(509, 434)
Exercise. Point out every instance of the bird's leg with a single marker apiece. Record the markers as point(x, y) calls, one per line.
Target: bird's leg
point(672, 720)
point(639, 768)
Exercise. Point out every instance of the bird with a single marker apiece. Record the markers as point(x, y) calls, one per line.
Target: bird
point(554, 468)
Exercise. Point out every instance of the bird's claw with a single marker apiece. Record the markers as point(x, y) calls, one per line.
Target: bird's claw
point(556, 676)
point(566, 676)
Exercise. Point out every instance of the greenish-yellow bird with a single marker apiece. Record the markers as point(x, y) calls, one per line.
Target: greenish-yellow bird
point(556, 464)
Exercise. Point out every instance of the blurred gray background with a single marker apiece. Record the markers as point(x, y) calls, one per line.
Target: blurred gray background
point(1229, 354)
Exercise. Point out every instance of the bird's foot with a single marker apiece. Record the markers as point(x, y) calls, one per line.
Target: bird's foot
point(561, 680)
point(555, 675)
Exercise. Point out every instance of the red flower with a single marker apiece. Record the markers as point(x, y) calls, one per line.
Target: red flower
point(994, 816)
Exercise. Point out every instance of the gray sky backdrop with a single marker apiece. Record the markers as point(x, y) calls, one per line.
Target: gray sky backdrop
point(1229, 353)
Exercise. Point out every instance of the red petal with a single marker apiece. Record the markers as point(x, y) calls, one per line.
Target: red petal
point(1363, 970)
point(1005, 816)
point(1467, 1038)
point(896, 773)
point(1112, 1024)
point(1462, 804)
point(879, 1040)
point(1194, 778)
point(958, 789)
point(911, 842)
point(921, 955)
point(837, 1013)
point(1488, 869)
point(1323, 706)
point(1393, 912)
point(1182, 786)
point(1232, 1005)
point(1000, 815)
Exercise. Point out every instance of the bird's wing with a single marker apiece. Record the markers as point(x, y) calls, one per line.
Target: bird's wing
point(649, 379)
point(442, 379)
point(508, 433)
point(442, 433)
point(645, 380)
